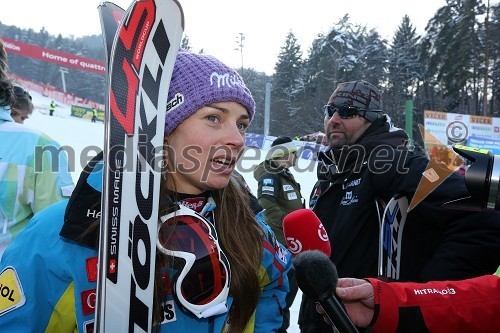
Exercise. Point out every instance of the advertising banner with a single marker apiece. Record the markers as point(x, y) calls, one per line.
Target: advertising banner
point(484, 143)
point(84, 112)
point(453, 128)
point(56, 57)
point(307, 150)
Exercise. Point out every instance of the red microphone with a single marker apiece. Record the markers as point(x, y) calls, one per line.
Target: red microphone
point(304, 231)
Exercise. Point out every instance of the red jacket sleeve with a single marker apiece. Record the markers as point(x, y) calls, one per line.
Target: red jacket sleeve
point(465, 306)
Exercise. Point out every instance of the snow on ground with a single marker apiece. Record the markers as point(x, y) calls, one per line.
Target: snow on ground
point(84, 139)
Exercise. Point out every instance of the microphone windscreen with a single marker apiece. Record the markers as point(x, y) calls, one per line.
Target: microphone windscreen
point(304, 231)
point(316, 275)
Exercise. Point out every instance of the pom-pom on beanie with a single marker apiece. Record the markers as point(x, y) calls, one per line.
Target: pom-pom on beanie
point(199, 80)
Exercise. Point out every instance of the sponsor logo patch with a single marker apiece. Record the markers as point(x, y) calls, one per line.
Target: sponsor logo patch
point(195, 204)
point(268, 189)
point(267, 181)
point(348, 199)
point(282, 254)
point(225, 80)
point(88, 326)
point(91, 267)
point(292, 196)
point(11, 291)
point(88, 301)
point(112, 266)
point(168, 312)
point(314, 198)
point(176, 101)
point(431, 291)
point(287, 188)
point(352, 183)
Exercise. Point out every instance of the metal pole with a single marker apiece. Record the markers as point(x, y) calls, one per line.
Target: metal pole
point(240, 48)
point(242, 38)
point(267, 109)
point(409, 118)
point(63, 71)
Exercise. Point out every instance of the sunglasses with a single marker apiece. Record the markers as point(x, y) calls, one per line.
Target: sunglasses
point(20, 92)
point(201, 284)
point(346, 111)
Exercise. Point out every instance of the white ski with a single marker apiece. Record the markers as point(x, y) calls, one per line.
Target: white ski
point(391, 233)
point(140, 67)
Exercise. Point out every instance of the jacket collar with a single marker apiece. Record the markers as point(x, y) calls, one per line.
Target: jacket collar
point(342, 162)
point(84, 206)
point(5, 114)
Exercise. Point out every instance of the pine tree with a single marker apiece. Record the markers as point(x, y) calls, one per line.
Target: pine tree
point(455, 53)
point(372, 58)
point(348, 52)
point(185, 44)
point(287, 84)
point(404, 70)
point(494, 47)
point(332, 59)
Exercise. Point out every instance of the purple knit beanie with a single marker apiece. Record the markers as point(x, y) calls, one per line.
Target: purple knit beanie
point(199, 80)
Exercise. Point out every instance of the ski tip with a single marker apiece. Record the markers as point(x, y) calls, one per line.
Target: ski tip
point(102, 4)
point(182, 12)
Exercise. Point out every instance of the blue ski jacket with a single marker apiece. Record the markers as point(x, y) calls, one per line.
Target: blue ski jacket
point(48, 281)
point(28, 183)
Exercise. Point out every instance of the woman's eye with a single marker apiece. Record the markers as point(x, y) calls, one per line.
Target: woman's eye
point(242, 126)
point(212, 118)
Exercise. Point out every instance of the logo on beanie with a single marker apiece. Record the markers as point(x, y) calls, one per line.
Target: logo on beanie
point(175, 102)
point(227, 79)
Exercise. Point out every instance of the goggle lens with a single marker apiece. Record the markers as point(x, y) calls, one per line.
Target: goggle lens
point(189, 236)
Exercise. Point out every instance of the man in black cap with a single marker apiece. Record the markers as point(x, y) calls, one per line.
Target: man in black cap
point(279, 194)
point(367, 164)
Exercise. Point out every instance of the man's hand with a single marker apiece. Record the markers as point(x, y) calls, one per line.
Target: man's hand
point(358, 298)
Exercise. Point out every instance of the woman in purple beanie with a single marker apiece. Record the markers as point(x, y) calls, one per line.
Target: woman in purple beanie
point(219, 267)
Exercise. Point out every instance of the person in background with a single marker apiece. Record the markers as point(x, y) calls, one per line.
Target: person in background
point(464, 306)
point(366, 165)
point(94, 115)
point(279, 194)
point(29, 181)
point(23, 107)
point(52, 108)
point(240, 288)
point(7, 97)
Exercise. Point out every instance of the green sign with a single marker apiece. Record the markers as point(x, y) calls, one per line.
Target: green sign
point(85, 112)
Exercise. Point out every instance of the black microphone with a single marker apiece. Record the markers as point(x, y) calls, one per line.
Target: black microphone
point(317, 278)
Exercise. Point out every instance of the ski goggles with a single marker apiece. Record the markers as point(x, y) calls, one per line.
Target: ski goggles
point(20, 91)
point(201, 284)
point(346, 111)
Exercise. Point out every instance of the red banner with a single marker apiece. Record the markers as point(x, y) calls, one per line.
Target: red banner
point(60, 58)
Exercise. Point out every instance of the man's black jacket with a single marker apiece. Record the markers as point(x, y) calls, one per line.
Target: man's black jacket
point(437, 243)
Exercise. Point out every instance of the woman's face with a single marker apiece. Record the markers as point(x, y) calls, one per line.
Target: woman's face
point(202, 151)
point(19, 116)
